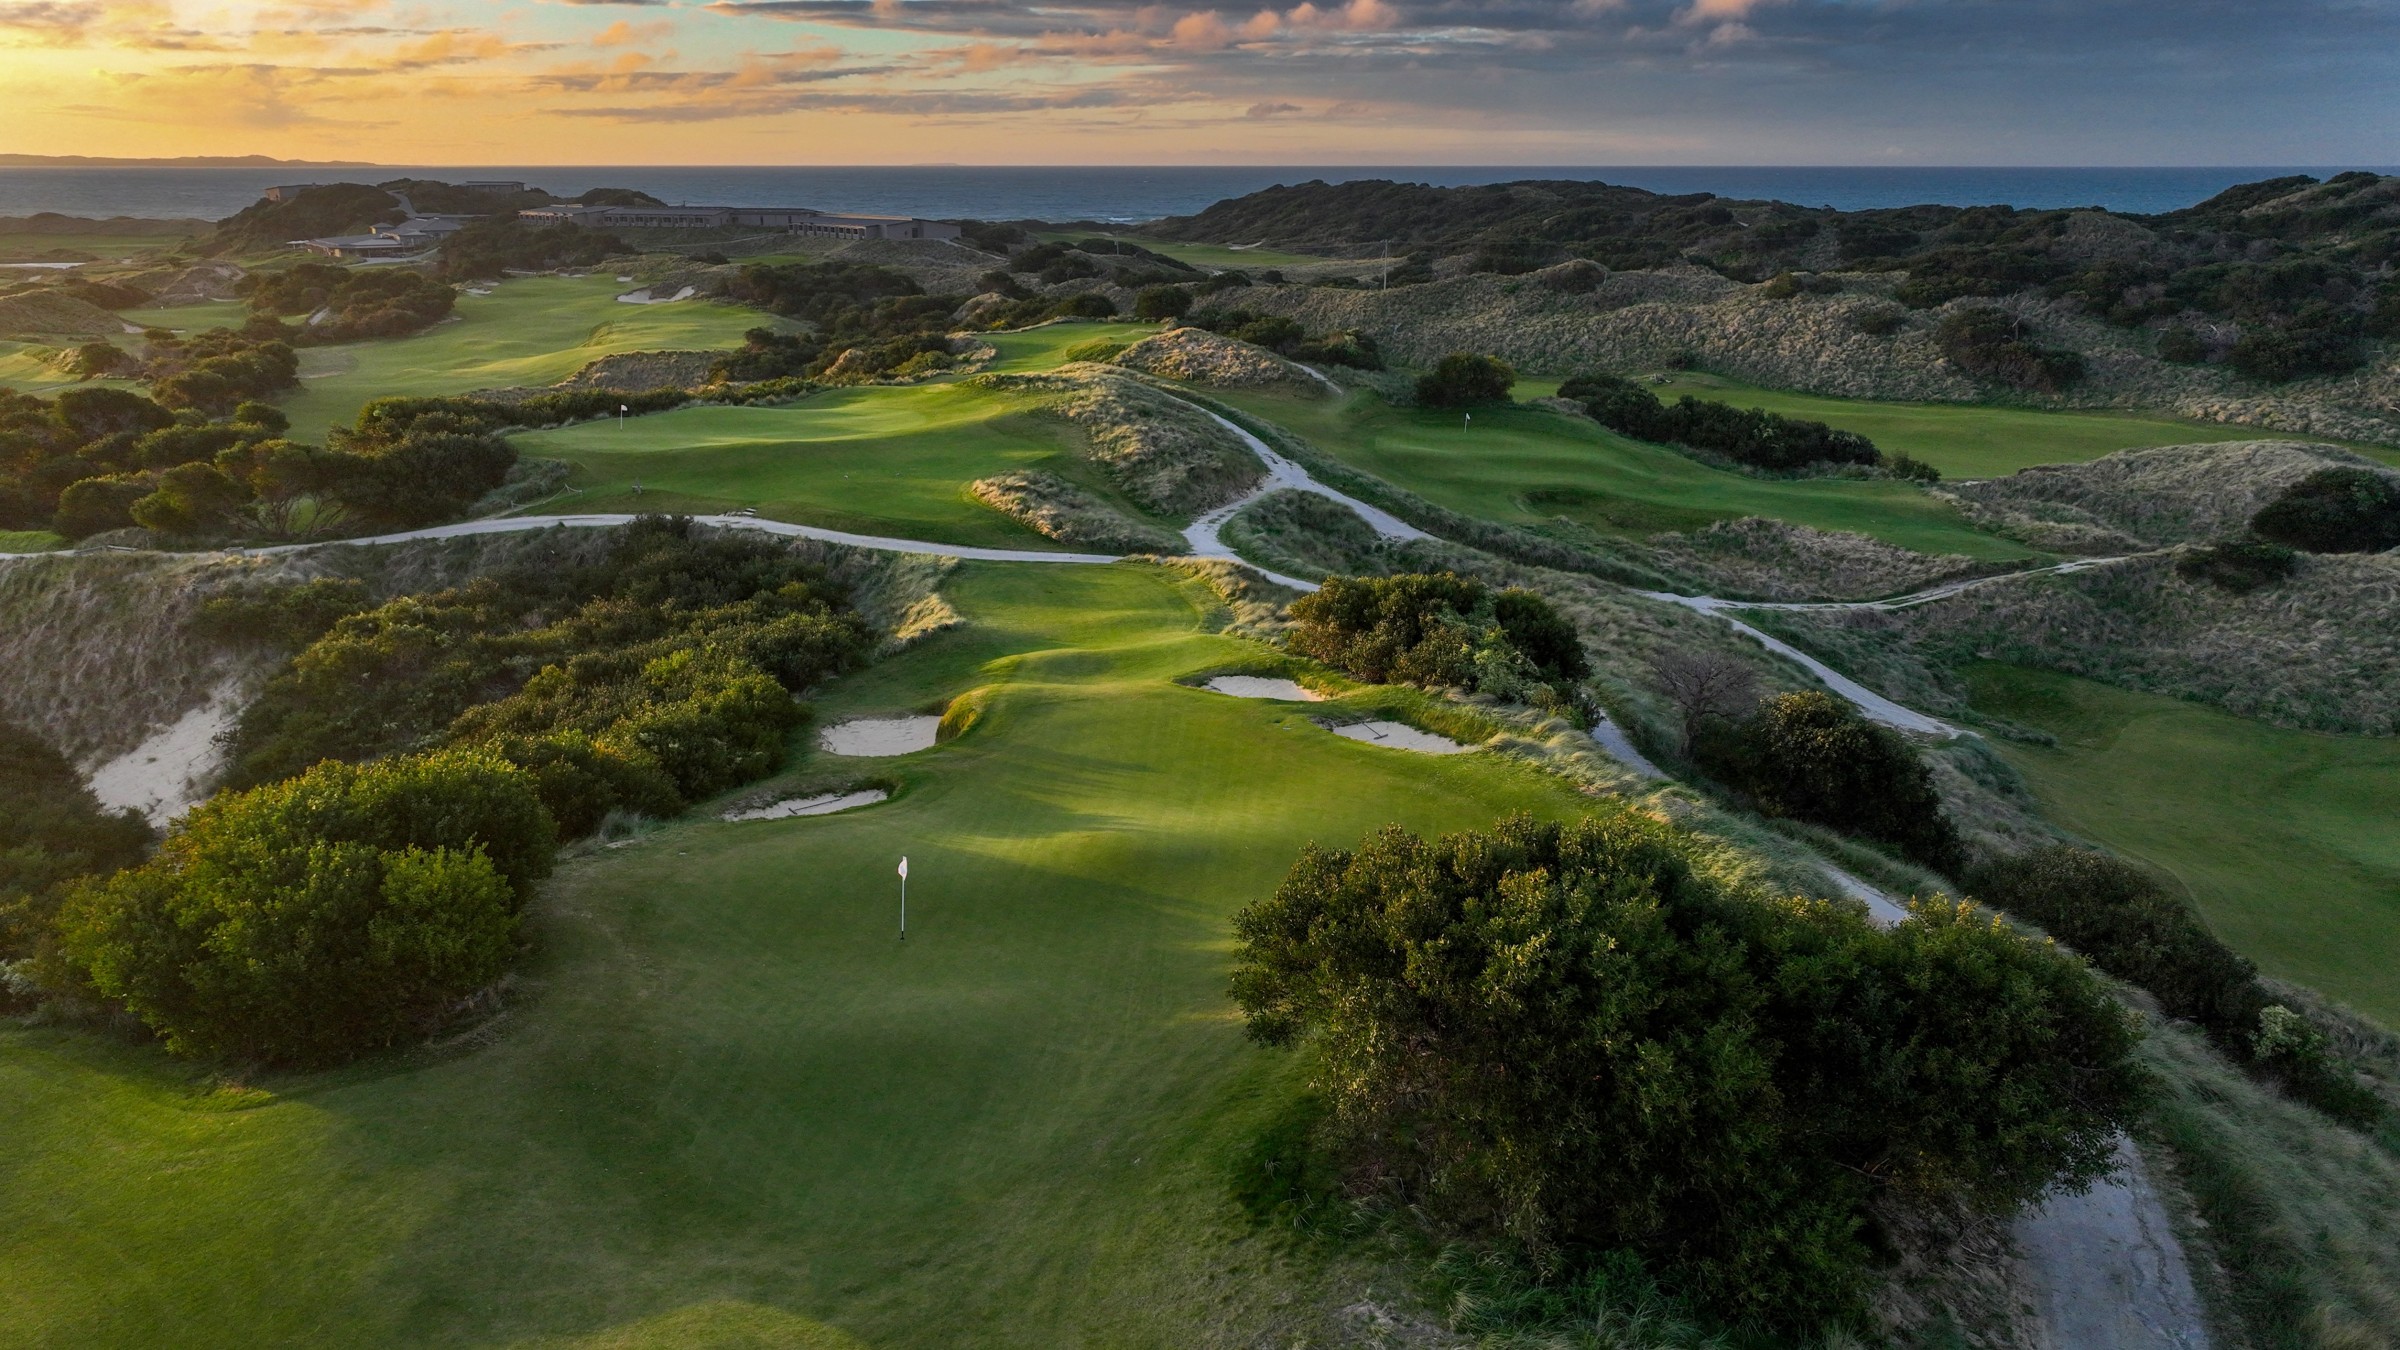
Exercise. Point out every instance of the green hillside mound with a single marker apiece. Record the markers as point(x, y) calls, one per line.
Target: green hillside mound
point(2166, 494)
point(1162, 452)
point(1197, 356)
point(50, 314)
point(1763, 559)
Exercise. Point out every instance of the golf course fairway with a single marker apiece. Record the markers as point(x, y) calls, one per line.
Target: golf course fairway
point(729, 1103)
point(2285, 839)
point(1524, 465)
point(1968, 440)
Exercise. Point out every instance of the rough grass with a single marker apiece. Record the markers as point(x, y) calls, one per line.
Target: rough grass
point(1197, 356)
point(1656, 319)
point(2145, 498)
point(1071, 514)
point(1761, 559)
point(1304, 535)
point(2286, 840)
point(2297, 1210)
point(1157, 449)
point(42, 314)
point(29, 541)
point(2319, 650)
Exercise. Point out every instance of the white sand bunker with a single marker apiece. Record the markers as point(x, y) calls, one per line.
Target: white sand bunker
point(170, 773)
point(1261, 686)
point(825, 805)
point(879, 736)
point(1399, 736)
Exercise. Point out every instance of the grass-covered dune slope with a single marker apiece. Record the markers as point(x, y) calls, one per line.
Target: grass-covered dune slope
point(728, 1097)
point(2287, 839)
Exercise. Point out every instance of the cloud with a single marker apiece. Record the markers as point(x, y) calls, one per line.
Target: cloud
point(625, 33)
point(1271, 110)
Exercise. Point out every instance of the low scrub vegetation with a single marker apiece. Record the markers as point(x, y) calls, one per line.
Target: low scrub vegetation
point(2339, 510)
point(1757, 438)
point(319, 918)
point(1071, 514)
point(53, 832)
point(1571, 1038)
point(2239, 566)
point(1465, 379)
point(1439, 630)
point(1989, 343)
point(660, 675)
point(1287, 338)
point(345, 304)
point(489, 248)
point(2126, 921)
point(1160, 451)
point(1810, 756)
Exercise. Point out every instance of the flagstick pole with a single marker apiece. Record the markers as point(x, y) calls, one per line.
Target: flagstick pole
point(904, 907)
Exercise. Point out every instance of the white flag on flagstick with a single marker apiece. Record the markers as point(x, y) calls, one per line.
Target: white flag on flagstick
point(904, 867)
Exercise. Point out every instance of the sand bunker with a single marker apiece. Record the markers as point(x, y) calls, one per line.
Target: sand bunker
point(825, 805)
point(878, 736)
point(1399, 736)
point(1261, 686)
point(170, 773)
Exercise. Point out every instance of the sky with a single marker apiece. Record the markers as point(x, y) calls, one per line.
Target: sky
point(1355, 82)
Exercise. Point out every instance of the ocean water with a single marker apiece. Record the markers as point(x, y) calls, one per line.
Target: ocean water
point(1121, 194)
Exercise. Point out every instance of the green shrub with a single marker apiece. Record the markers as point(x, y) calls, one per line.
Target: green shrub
point(1463, 379)
point(1810, 756)
point(2338, 510)
point(53, 831)
point(2240, 566)
point(91, 505)
point(1755, 437)
point(1438, 630)
point(1162, 302)
point(1096, 349)
point(1992, 344)
point(2181, 346)
point(2126, 921)
point(323, 917)
point(1566, 1037)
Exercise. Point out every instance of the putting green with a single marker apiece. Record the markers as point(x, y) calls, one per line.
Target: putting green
point(728, 1098)
point(2287, 839)
point(1528, 465)
point(1969, 440)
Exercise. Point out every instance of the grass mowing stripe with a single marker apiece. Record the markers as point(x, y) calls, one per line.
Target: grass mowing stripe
point(731, 1095)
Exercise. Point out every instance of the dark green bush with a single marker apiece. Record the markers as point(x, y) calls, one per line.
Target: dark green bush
point(2240, 566)
point(1992, 344)
point(2126, 921)
point(1566, 1037)
point(668, 664)
point(2181, 346)
point(1464, 379)
point(52, 832)
point(2336, 510)
point(1810, 756)
point(1439, 630)
point(1755, 437)
point(323, 917)
point(1162, 302)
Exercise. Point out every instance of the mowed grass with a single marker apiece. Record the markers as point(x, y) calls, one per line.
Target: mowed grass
point(529, 331)
point(877, 459)
point(29, 541)
point(730, 1100)
point(1974, 441)
point(2288, 840)
point(1528, 465)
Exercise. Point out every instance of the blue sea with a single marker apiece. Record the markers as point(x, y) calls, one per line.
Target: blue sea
point(1122, 194)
